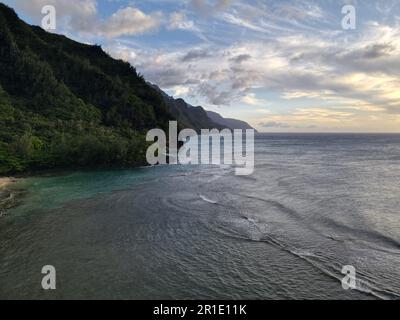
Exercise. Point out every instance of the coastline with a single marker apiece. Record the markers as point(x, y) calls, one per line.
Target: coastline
point(7, 196)
point(4, 182)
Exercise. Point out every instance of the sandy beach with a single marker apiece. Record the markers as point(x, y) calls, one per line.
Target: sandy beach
point(5, 181)
point(6, 196)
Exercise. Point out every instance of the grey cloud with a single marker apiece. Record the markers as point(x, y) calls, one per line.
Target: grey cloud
point(241, 58)
point(376, 58)
point(165, 78)
point(372, 58)
point(303, 81)
point(297, 58)
point(316, 67)
point(282, 125)
point(214, 95)
point(273, 124)
point(378, 51)
point(195, 55)
point(221, 86)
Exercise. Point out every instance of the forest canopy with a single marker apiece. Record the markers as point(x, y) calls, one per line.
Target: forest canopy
point(66, 104)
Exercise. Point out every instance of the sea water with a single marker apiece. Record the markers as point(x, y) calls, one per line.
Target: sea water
point(315, 204)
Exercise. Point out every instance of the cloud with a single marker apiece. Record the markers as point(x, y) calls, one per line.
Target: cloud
point(378, 51)
point(294, 52)
point(215, 95)
point(130, 21)
point(204, 7)
point(82, 16)
point(241, 22)
point(309, 119)
point(273, 124)
point(386, 6)
point(179, 21)
point(365, 72)
point(76, 10)
point(168, 77)
point(296, 60)
point(196, 54)
point(299, 11)
point(241, 58)
point(252, 100)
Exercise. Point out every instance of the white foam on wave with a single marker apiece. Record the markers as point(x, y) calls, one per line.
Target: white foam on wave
point(208, 200)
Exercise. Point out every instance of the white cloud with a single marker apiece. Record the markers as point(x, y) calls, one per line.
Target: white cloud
point(252, 100)
point(179, 21)
point(72, 12)
point(82, 16)
point(130, 21)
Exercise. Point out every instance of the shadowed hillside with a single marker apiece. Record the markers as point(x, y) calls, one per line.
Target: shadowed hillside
point(66, 104)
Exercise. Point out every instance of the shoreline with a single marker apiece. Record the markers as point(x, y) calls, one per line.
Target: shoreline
point(8, 198)
point(4, 182)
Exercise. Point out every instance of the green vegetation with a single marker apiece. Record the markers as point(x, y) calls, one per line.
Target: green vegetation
point(66, 104)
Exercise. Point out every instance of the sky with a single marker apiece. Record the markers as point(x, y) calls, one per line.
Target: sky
point(283, 66)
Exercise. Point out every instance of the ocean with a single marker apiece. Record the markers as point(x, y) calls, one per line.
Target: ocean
point(315, 203)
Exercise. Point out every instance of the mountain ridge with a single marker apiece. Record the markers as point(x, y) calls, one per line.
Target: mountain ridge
point(66, 104)
point(208, 119)
point(229, 122)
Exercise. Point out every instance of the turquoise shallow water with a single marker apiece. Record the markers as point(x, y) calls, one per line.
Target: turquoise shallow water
point(313, 205)
point(45, 192)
